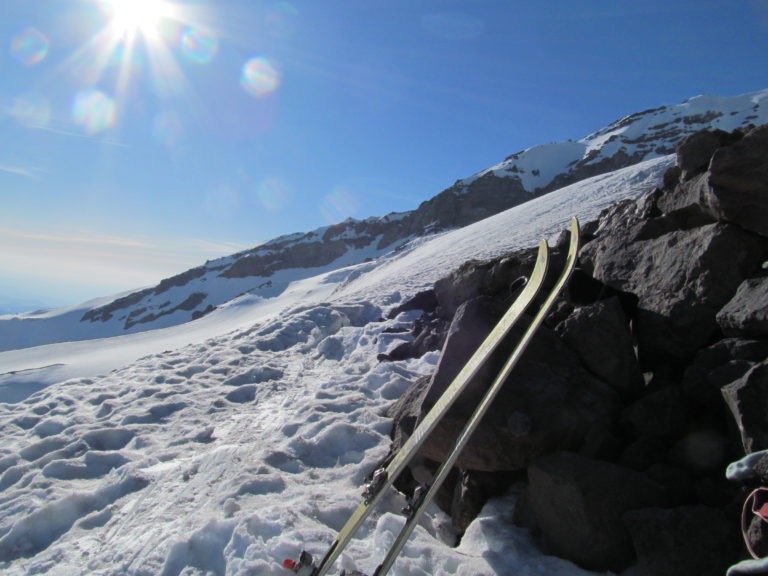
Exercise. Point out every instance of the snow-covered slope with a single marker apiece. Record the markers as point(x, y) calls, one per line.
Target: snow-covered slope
point(248, 444)
point(265, 271)
point(386, 280)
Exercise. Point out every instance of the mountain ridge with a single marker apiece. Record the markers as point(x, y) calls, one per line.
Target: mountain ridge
point(267, 269)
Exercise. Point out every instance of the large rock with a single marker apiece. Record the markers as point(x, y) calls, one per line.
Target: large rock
point(600, 335)
point(661, 414)
point(579, 503)
point(739, 180)
point(747, 399)
point(681, 278)
point(550, 402)
point(406, 411)
point(501, 280)
point(473, 321)
point(686, 541)
point(695, 151)
point(747, 312)
point(735, 186)
point(718, 365)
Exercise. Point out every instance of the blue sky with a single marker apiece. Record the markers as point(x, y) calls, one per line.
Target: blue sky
point(137, 145)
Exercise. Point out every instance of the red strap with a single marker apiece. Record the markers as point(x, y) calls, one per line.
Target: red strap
point(756, 504)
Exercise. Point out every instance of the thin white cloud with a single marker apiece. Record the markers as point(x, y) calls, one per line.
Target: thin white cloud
point(98, 263)
point(81, 239)
point(19, 171)
point(215, 247)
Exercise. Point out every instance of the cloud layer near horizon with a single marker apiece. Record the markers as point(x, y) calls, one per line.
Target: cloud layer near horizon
point(89, 264)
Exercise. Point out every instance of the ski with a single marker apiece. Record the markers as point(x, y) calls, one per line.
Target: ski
point(384, 477)
point(424, 494)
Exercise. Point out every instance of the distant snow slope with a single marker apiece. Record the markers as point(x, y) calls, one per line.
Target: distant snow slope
point(167, 305)
point(249, 443)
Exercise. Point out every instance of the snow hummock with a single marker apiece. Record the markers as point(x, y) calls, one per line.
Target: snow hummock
point(224, 445)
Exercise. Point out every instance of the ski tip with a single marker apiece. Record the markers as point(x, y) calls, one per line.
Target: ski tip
point(575, 227)
point(290, 564)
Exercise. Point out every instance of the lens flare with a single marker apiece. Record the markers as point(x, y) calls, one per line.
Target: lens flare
point(132, 16)
point(259, 77)
point(30, 47)
point(272, 194)
point(281, 19)
point(199, 46)
point(338, 205)
point(94, 111)
point(167, 128)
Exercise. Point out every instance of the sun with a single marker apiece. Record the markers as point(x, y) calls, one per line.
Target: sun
point(130, 17)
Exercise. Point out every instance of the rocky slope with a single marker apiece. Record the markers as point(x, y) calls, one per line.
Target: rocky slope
point(646, 381)
point(267, 269)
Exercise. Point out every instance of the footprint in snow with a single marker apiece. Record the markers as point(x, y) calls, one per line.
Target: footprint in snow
point(108, 438)
point(242, 395)
point(155, 414)
point(36, 531)
point(50, 427)
point(254, 376)
point(337, 444)
point(91, 465)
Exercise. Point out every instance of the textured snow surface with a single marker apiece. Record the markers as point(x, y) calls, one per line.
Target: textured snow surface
point(227, 444)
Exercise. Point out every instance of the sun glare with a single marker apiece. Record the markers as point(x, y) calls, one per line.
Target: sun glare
point(136, 16)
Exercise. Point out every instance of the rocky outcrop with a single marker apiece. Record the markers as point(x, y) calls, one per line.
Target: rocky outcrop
point(647, 379)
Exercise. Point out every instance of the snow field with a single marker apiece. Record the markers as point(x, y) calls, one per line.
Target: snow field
point(226, 449)
point(162, 465)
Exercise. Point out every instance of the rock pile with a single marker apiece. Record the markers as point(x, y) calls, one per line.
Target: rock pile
point(649, 377)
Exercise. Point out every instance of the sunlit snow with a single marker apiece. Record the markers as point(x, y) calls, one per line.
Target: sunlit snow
point(224, 445)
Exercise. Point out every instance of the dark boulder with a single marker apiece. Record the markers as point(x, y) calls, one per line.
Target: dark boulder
point(661, 413)
point(739, 181)
point(747, 399)
point(701, 451)
point(695, 151)
point(681, 278)
point(501, 280)
point(746, 314)
point(733, 189)
point(600, 335)
point(579, 504)
point(685, 541)
point(550, 402)
point(406, 411)
point(472, 322)
point(470, 493)
point(715, 366)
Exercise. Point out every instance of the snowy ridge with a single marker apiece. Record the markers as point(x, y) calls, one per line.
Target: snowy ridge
point(240, 438)
point(632, 139)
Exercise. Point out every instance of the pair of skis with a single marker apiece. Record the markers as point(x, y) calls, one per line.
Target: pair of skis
point(383, 478)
